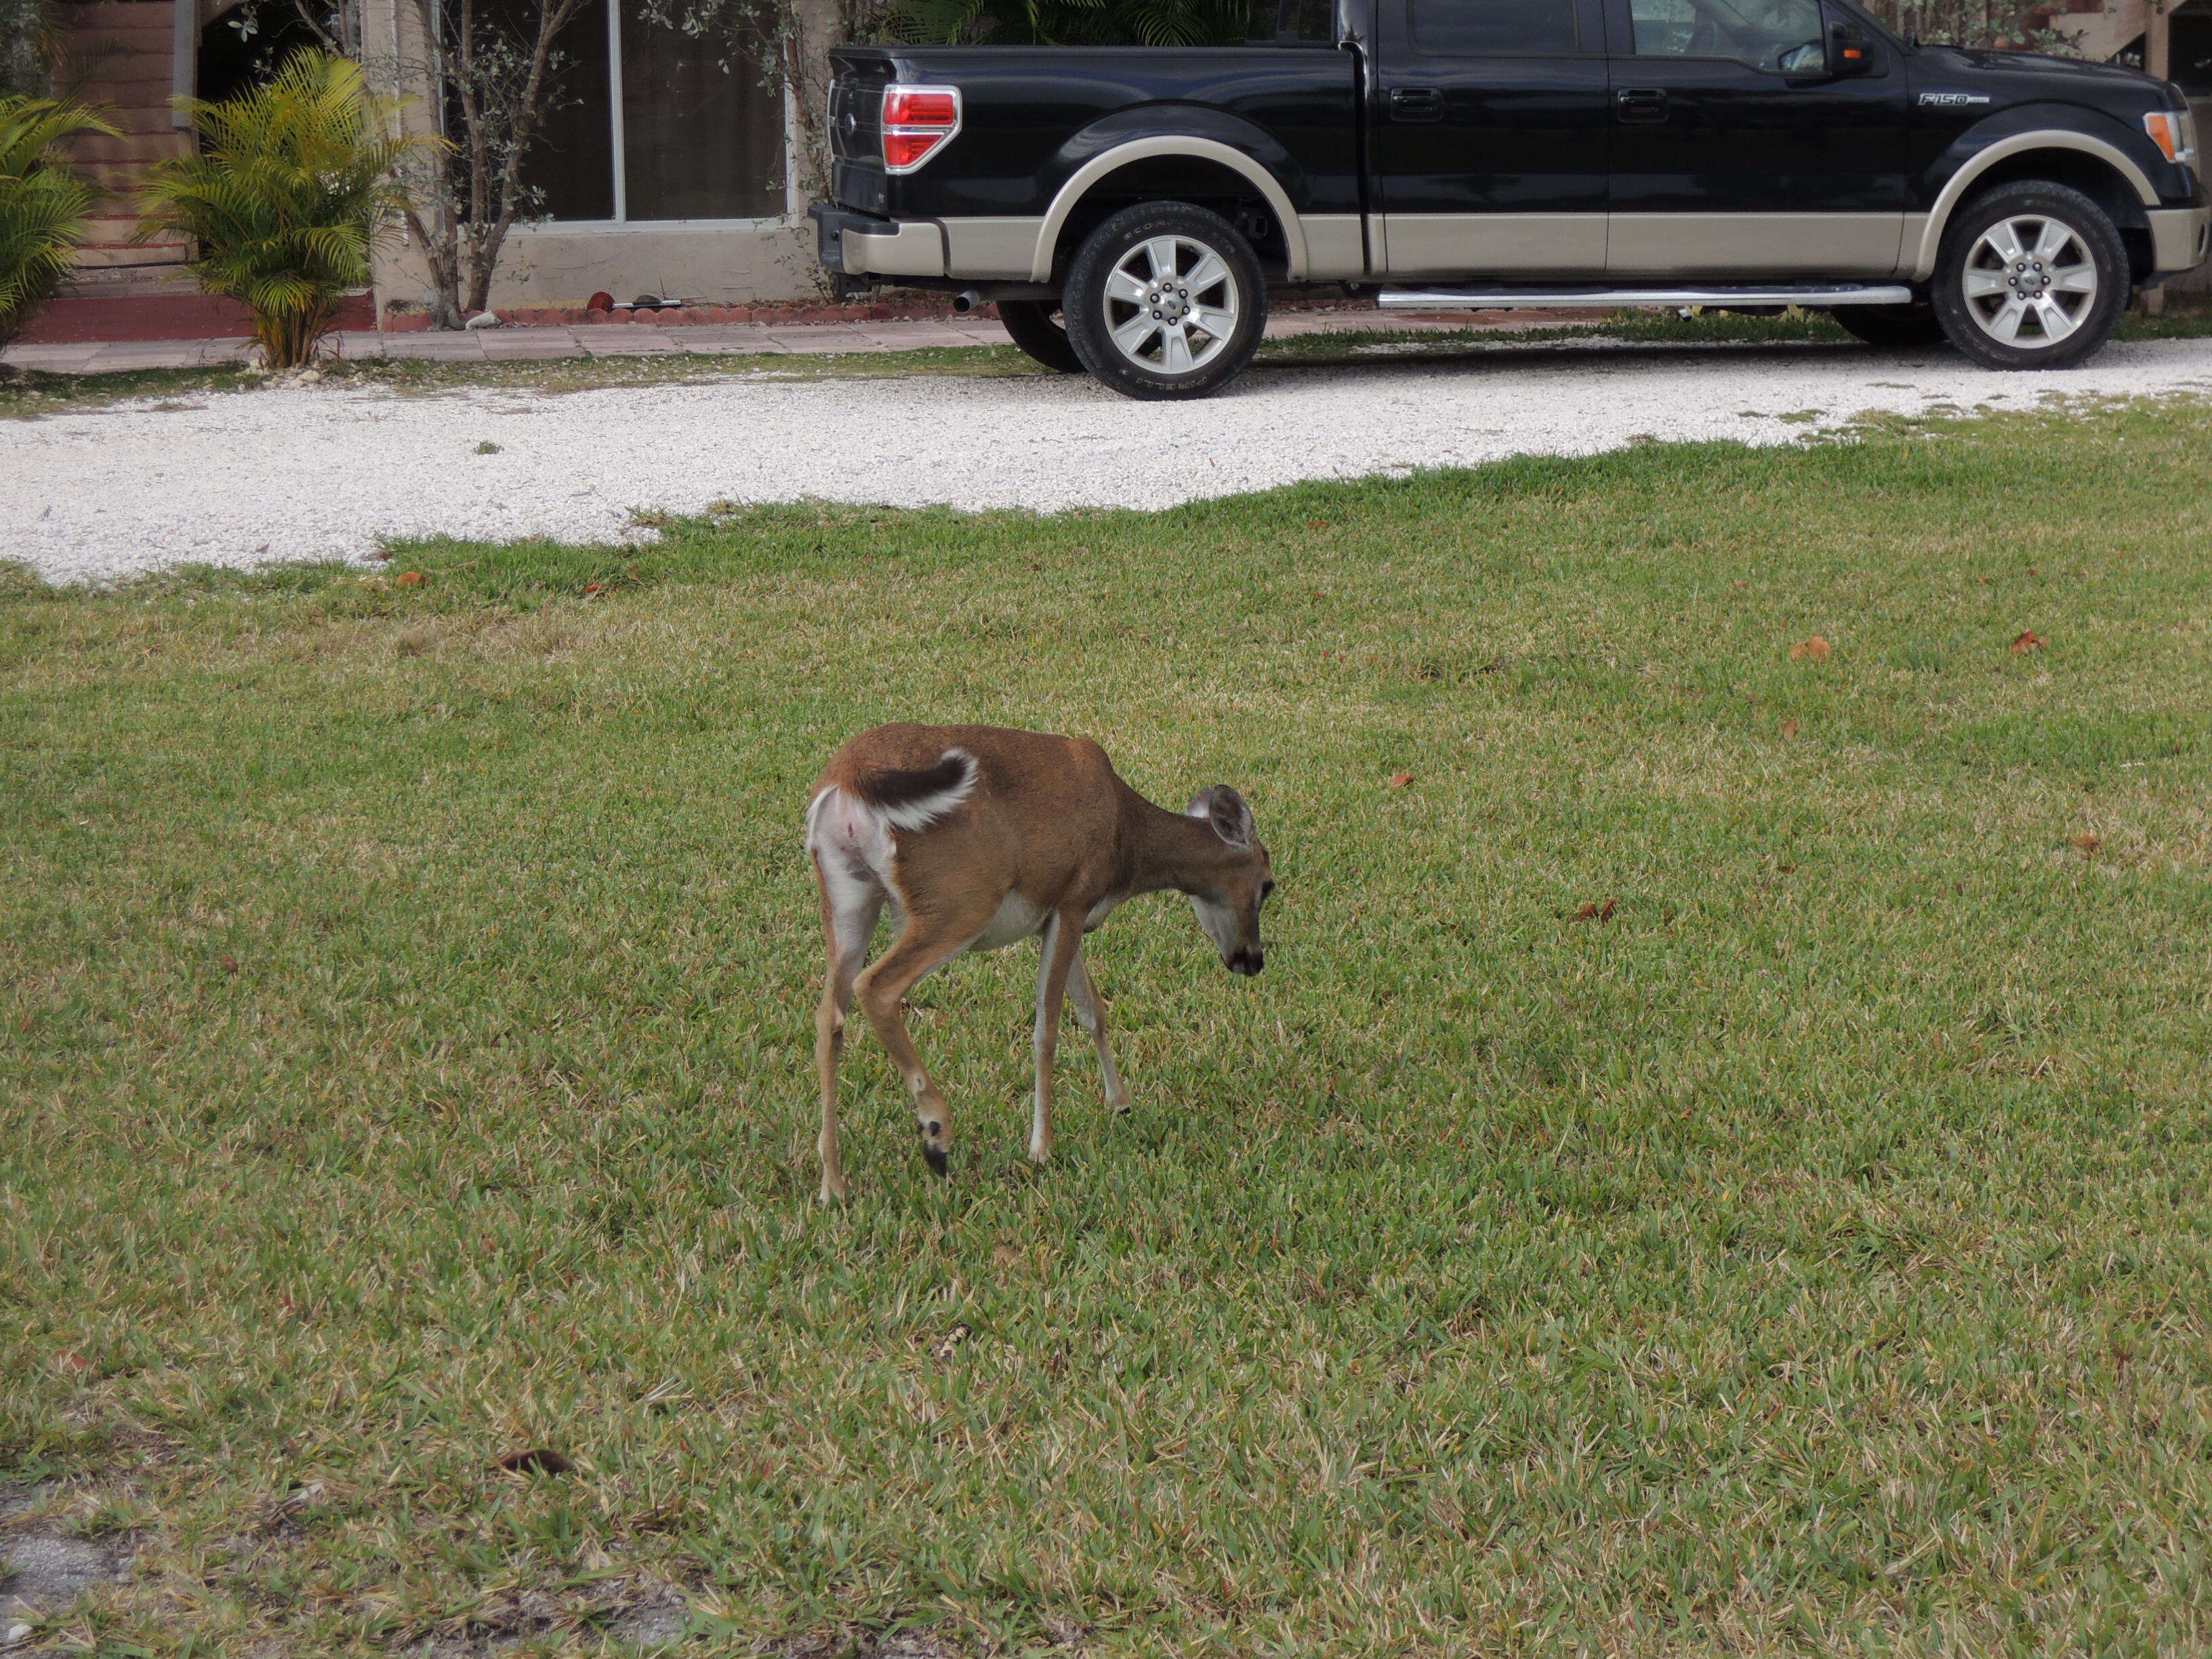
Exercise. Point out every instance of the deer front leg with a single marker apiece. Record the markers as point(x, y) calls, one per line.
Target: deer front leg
point(1091, 1010)
point(883, 990)
point(1063, 938)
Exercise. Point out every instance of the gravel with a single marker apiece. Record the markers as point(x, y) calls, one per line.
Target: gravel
point(246, 477)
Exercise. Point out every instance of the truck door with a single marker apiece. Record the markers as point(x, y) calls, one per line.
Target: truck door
point(1488, 123)
point(1735, 154)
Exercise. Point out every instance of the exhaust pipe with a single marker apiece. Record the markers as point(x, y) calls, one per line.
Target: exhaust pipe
point(968, 299)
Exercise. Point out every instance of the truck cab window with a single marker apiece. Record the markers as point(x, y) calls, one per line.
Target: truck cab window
point(1493, 28)
point(1781, 36)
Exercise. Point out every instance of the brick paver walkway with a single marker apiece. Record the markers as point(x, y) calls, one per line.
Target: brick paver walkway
point(640, 339)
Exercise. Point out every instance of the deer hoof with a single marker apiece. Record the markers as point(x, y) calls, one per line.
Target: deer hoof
point(938, 1160)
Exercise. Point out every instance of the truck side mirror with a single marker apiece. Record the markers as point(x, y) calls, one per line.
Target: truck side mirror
point(1850, 50)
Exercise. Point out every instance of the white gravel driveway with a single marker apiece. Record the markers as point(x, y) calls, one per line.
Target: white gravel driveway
point(322, 472)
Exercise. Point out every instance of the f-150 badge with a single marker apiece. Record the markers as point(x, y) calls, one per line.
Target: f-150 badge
point(1953, 100)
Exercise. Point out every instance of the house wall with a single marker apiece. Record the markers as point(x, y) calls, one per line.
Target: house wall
point(2101, 30)
point(123, 56)
point(559, 264)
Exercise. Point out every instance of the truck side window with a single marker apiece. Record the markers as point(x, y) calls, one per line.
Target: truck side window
point(1782, 36)
point(1493, 28)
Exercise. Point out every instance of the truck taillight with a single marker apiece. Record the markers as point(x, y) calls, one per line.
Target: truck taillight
point(917, 121)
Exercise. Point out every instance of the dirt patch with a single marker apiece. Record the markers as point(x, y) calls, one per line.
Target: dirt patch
point(43, 1572)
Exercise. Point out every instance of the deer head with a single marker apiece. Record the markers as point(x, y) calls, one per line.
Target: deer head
point(1228, 881)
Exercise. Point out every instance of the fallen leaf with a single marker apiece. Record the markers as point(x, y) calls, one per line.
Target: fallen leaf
point(1006, 1257)
point(412, 578)
point(1317, 523)
point(538, 1460)
point(2031, 570)
point(2087, 842)
point(1816, 648)
point(1400, 779)
point(593, 588)
point(230, 964)
point(71, 1362)
point(953, 1339)
point(1596, 912)
point(1790, 727)
point(2029, 641)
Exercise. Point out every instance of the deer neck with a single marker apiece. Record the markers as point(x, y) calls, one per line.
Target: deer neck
point(1170, 849)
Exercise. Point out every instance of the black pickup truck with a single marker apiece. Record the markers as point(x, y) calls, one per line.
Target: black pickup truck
point(1129, 209)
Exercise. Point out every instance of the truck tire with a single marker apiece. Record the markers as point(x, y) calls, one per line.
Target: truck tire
point(1894, 327)
point(1029, 321)
point(2031, 275)
point(1166, 299)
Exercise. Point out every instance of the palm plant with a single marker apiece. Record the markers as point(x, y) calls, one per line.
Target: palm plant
point(293, 187)
point(42, 203)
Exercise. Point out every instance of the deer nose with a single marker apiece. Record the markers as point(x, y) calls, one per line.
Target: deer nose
point(1247, 962)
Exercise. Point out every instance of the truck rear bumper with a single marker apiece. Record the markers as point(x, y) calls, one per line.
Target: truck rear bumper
point(860, 244)
point(2180, 239)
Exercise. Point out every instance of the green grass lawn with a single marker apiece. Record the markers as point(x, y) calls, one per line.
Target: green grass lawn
point(1718, 1162)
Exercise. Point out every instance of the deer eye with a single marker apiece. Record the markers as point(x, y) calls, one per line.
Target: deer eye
point(1266, 892)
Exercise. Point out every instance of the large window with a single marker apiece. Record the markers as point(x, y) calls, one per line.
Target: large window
point(1783, 35)
point(1493, 28)
point(655, 124)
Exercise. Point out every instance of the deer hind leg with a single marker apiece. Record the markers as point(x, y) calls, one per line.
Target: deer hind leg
point(851, 902)
point(1090, 1011)
point(924, 943)
point(1063, 938)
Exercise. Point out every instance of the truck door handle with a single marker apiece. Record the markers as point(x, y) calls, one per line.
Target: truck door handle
point(1641, 107)
point(1416, 104)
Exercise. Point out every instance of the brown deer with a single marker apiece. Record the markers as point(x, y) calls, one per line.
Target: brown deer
point(976, 837)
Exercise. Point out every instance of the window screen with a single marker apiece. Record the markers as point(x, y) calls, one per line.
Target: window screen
point(1493, 28)
point(702, 136)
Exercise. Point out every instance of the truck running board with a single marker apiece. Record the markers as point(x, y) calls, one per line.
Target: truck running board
point(1722, 296)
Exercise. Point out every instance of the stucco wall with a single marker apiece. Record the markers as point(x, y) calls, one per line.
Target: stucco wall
point(547, 265)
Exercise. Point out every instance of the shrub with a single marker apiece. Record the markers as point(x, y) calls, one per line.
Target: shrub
point(42, 203)
point(293, 187)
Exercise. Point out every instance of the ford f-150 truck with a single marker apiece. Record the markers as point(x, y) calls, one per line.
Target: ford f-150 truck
point(1130, 209)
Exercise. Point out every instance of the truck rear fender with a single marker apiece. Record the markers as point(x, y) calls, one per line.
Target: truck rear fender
point(1171, 152)
point(2060, 142)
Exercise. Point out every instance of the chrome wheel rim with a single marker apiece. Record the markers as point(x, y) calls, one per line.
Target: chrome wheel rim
point(2030, 280)
point(1170, 305)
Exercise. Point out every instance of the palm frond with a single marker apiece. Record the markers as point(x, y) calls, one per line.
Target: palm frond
point(42, 202)
point(295, 185)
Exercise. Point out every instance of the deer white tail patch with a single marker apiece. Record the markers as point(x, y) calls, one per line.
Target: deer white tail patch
point(916, 800)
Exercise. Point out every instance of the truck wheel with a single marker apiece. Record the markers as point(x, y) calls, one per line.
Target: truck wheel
point(1898, 327)
point(2031, 276)
point(1166, 299)
point(1029, 321)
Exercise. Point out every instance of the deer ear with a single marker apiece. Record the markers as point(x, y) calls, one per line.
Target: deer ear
point(1225, 808)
